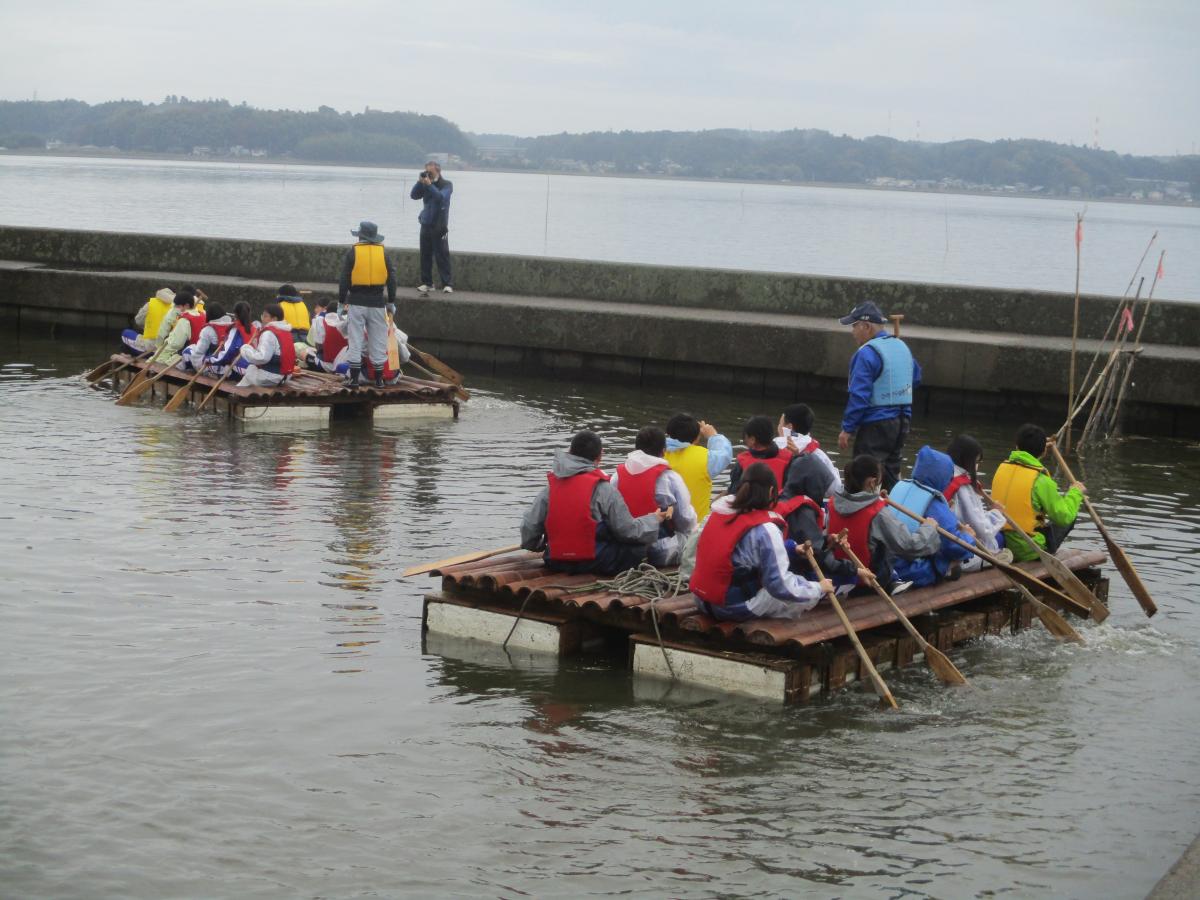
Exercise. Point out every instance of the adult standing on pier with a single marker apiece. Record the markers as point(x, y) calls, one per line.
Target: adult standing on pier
point(434, 191)
point(366, 272)
point(883, 375)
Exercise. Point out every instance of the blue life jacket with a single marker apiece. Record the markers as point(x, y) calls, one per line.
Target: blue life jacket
point(912, 496)
point(894, 385)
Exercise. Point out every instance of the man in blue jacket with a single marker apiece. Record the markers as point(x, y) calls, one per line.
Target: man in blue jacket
point(434, 191)
point(883, 375)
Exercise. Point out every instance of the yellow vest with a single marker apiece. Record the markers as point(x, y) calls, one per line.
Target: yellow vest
point(156, 310)
point(1012, 485)
point(692, 465)
point(369, 267)
point(295, 313)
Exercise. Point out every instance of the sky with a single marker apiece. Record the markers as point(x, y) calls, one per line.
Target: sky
point(934, 71)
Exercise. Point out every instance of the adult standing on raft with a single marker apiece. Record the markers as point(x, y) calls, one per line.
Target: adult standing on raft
point(366, 272)
point(883, 375)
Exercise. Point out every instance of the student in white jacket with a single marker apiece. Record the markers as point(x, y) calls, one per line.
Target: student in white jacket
point(796, 425)
point(966, 502)
point(647, 483)
point(272, 354)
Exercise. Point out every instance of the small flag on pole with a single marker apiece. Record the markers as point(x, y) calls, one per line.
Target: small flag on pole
point(1078, 231)
point(1159, 273)
point(1127, 320)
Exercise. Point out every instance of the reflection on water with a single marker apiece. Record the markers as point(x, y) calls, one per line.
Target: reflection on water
point(213, 683)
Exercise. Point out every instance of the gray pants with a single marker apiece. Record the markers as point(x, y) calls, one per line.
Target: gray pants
point(369, 323)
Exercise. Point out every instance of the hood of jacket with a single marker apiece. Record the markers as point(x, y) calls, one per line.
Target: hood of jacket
point(809, 477)
point(640, 461)
point(933, 468)
point(848, 504)
point(566, 465)
point(724, 505)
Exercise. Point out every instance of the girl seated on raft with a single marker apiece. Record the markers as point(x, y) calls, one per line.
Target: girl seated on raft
point(272, 353)
point(922, 493)
point(211, 336)
point(965, 496)
point(801, 505)
point(741, 568)
point(241, 333)
point(879, 541)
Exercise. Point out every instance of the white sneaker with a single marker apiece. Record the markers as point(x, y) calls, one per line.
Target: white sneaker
point(1004, 555)
point(900, 587)
point(424, 288)
point(447, 290)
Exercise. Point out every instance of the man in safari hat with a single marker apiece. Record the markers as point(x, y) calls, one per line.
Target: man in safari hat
point(883, 375)
point(366, 272)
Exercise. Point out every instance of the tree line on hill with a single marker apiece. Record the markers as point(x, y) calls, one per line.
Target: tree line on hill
point(179, 125)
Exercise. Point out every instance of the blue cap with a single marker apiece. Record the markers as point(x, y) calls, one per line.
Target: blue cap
point(864, 312)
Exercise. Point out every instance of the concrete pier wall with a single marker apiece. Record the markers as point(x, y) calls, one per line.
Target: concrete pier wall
point(776, 336)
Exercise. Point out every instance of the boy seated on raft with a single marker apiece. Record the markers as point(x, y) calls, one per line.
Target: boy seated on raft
point(272, 354)
point(697, 465)
point(923, 494)
point(758, 434)
point(795, 434)
point(878, 541)
point(328, 346)
point(741, 569)
point(144, 336)
point(1024, 488)
point(801, 503)
point(295, 311)
point(647, 483)
point(965, 496)
point(210, 339)
point(187, 325)
point(580, 521)
point(168, 322)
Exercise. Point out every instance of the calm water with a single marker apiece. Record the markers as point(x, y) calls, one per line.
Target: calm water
point(213, 684)
point(990, 241)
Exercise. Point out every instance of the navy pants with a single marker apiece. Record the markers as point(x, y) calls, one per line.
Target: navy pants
point(883, 440)
point(433, 246)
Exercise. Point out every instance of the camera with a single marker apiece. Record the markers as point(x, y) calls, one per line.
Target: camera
point(423, 174)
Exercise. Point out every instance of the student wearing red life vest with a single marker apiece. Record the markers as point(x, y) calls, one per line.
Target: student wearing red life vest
point(742, 566)
point(272, 354)
point(647, 482)
point(801, 505)
point(876, 538)
point(965, 496)
point(580, 520)
point(328, 344)
point(242, 330)
point(758, 434)
point(210, 339)
point(186, 326)
point(795, 434)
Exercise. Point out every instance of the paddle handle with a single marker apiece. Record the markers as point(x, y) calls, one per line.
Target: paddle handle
point(881, 687)
point(917, 636)
point(458, 560)
point(213, 389)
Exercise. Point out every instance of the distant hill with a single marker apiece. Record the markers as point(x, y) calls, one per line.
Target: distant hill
point(179, 125)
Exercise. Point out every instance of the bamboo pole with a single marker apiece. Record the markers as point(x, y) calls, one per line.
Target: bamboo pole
point(1075, 324)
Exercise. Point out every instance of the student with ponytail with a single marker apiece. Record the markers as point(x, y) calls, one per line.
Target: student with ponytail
point(964, 493)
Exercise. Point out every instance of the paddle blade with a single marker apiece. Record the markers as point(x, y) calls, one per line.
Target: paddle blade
point(945, 670)
point(100, 371)
point(432, 362)
point(180, 396)
point(1070, 583)
point(1056, 624)
point(1125, 566)
point(134, 391)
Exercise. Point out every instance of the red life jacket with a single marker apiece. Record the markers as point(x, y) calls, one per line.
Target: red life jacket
point(786, 507)
point(197, 321)
point(810, 447)
point(222, 332)
point(334, 343)
point(956, 482)
point(285, 362)
point(570, 528)
point(777, 463)
point(858, 527)
point(638, 490)
point(714, 553)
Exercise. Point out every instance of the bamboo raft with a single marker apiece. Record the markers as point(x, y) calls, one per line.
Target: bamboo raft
point(515, 599)
point(307, 396)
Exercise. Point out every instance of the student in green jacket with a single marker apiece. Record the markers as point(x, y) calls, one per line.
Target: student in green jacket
point(1025, 489)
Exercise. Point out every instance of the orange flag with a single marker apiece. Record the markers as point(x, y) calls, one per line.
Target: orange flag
point(1078, 231)
point(1159, 273)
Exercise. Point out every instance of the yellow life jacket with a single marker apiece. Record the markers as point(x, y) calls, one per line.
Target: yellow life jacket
point(295, 313)
point(692, 465)
point(155, 312)
point(369, 268)
point(1012, 485)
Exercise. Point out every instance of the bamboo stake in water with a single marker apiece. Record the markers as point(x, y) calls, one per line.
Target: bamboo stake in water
point(1075, 325)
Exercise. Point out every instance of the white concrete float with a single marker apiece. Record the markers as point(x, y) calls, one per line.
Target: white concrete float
point(386, 411)
point(539, 632)
point(780, 680)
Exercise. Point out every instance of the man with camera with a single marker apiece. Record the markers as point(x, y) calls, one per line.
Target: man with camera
point(434, 191)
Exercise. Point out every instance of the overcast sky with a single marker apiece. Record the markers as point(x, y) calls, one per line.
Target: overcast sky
point(961, 69)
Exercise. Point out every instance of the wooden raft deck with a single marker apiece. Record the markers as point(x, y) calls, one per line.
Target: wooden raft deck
point(306, 395)
point(811, 653)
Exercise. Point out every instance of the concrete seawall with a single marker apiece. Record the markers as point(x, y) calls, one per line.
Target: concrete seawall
point(983, 351)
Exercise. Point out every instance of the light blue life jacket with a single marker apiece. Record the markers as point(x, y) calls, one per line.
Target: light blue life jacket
point(894, 385)
point(912, 496)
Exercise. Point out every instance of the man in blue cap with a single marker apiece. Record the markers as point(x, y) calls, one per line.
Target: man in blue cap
point(883, 375)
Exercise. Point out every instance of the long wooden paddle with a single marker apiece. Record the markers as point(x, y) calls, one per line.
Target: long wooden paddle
point(458, 560)
point(459, 391)
point(143, 373)
point(136, 390)
point(1019, 578)
point(110, 367)
point(203, 403)
point(182, 394)
point(881, 687)
point(1013, 572)
point(1060, 571)
point(430, 361)
point(1119, 556)
point(945, 670)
